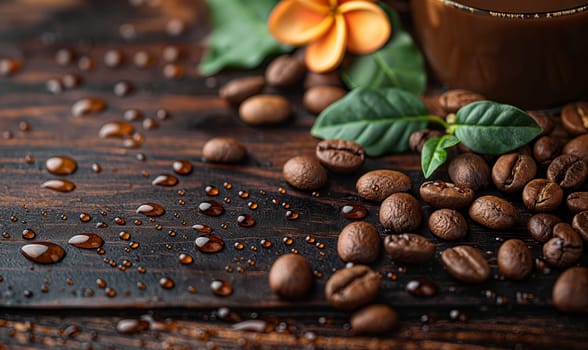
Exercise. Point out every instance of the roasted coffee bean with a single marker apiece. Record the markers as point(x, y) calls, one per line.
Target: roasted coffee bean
point(359, 242)
point(565, 248)
point(544, 121)
point(409, 247)
point(568, 171)
point(305, 173)
point(352, 287)
point(574, 118)
point(441, 194)
point(515, 260)
point(493, 212)
point(291, 277)
point(377, 185)
point(417, 139)
point(577, 201)
point(469, 170)
point(285, 71)
point(580, 224)
point(542, 195)
point(318, 98)
point(374, 319)
point(546, 148)
point(578, 147)
point(265, 110)
point(340, 156)
point(448, 224)
point(570, 291)
point(512, 171)
point(313, 79)
point(540, 226)
point(452, 100)
point(466, 264)
point(238, 90)
point(224, 150)
point(401, 212)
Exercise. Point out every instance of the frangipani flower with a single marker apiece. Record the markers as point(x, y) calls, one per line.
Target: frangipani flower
point(330, 27)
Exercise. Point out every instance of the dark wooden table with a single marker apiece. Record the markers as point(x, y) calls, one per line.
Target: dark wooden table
point(78, 302)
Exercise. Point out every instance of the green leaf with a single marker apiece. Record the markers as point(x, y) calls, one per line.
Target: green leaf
point(380, 120)
point(398, 64)
point(240, 37)
point(491, 128)
point(434, 153)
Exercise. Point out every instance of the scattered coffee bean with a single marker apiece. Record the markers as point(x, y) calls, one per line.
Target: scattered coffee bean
point(291, 277)
point(441, 194)
point(421, 287)
point(568, 171)
point(540, 226)
point(578, 147)
point(359, 242)
point(546, 149)
point(448, 224)
point(544, 121)
point(580, 224)
point(570, 291)
point(377, 185)
point(238, 90)
point(577, 201)
point(565, 248)
point(340, 156)
point(542, 195)
point(305, 173)
point(452, 100)
point(285, 71)
point(352, 287)
point(512, 171)
point(223, 150)
point(493, 212)
point(418, 138)
point(574, 118)
point(469, 170)
point(515, 260)
point(466, 264)
point(313, 79)
point(409, 247)
point(401, 212)
point(318, 98)
point(374, 319)
point(265, 110)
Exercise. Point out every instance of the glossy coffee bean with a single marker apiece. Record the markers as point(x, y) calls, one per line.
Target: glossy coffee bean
point(542, 195)
point(570, 291)
point(441, 194)
point(290, 277)
point(340, 156)
point(565, 248)
point(318, 98)
point(546, 149)
point(238, 90)
point(578, 147)
point(577, 201)
point(469, 170)
point(574, 118)
point(568, 171)
point(540, 226)
point(512, 171)
point(493, 212)
point(265, 110)
point(224, 150)
point(515, 260)
point(544, 121)
point(580, 224)
point(359, 242)
point(305, 173)
point(377, 185)
point(401, 212)
point(352, 287)
point(448, 224)
point(418, 138)
point(313, 79)
point(374, 319)
point(452, 100)
point(285, 71)
point(409, 248)
point(466, 264)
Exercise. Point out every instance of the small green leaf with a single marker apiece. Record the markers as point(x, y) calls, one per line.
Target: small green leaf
point(434, 153)
point(380, 120)
point(240, 37)
point(491, 128)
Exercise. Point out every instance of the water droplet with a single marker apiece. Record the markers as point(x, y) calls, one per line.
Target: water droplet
point(288, 240)
point(71, 81)
point(150, 209)
point(138, 222)
point(29, 159)
point(292, 215)
point(165, 180)
point(162, 114)
point(286, 205)
point(84, 217)
point(28, 293)
point(86, 241)
point(43, 252)
point(24, 126)
point(192, 290)
point(202, 228)
point(185, 259)
point(96, 168)
point(211, 191)
point(209, 243)
point(171, 53)
point(65, 57)
point(110, 292)
point(59, 185)
point(258, 326)
point(221, 288)
point(244, 194)
point(252, 205)
point(421, 287)
point(134, 245)
point(123, 88)
point(458, 315)
point(166, 283)
point(63, 217)
point(28, 234)
point(13, 218)
point(113, 58)
point(9, 66)
point(211, 208)
point(87, 106)
point(101, 225)
point(182, 167)
point(282, 190)
point(142, 58)
point(116, 129)
point(173, 71)
point(227, 200)
point(354, 211)
point(54, 86)
point(294, 251)
point(150, 124)
point(85, 63)
point(239, 246)
point(245, 220)
point(266, 243)
point(320, 245)
point(131, 326)
point(6, 235)
point(119, 221)
point(141, 286)
point(132, 115)
point(310, 239)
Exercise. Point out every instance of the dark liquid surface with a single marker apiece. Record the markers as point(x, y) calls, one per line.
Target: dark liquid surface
point(524, 6)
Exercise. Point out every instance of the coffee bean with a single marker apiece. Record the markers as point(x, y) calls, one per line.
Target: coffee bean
point(515, 260)
point(469, 170)
point(224, 150)
point(580, 224)
point(577, 201)
point(466, 264)
point(285, 71)
point(313, 79)
point(493, 212)
point(318, 98)
point(265, 110)
point(409, 247)
point(542, 195)
point(441, 194)
point(570, 291)
point(448, 224)
point(401, 212)
point(568, 171)
point(417, 139)
point(305, 173)
point(352, 287)
point(578, 146)
point(540, 226)
point(359, 242)
point(452, 100)
point(376, 185)
point(512, 171)
point(238, 90)
point(574, 118)
point(544, 121)
point(546, 148)
point(421, 287)
point(340, 156)
point(291, 277)
point(565, 248)
point(374, 319)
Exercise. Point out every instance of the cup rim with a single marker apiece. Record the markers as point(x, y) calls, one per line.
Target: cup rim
point(516, 15)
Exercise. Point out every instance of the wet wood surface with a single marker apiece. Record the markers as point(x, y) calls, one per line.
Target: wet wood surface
point(77, 302)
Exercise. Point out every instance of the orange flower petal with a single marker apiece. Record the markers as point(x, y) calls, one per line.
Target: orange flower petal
point(368, 26)
point(293, 22)
point(326, 53)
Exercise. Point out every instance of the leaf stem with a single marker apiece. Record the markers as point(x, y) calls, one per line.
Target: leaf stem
point(438, 120)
